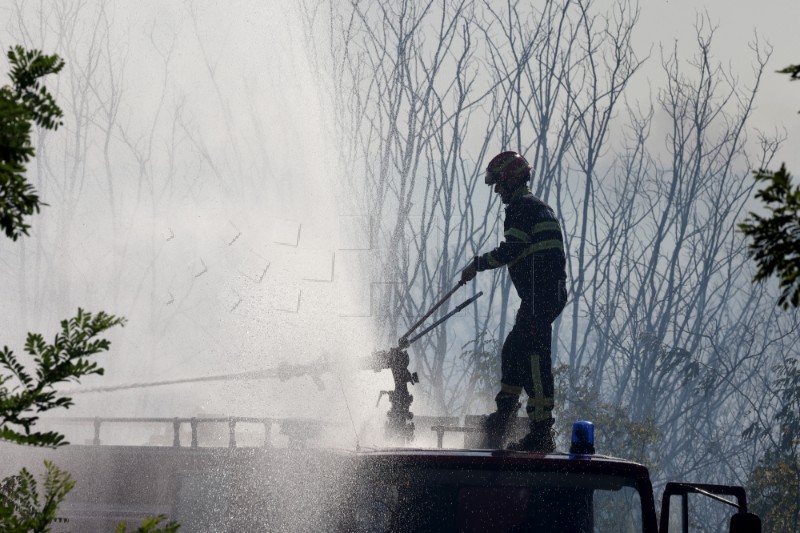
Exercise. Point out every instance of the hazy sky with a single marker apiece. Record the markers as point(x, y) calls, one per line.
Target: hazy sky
point(738, 22)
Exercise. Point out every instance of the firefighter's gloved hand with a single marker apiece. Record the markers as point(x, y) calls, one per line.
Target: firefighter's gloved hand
point(469, 273)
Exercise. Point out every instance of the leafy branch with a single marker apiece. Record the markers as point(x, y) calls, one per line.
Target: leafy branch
point(775, 238)
point(66, 359)
point(21, 507)
point(26, 101)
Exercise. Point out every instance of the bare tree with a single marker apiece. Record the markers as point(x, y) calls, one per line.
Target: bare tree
point(673, 331)
point(555, 77)
point(662, 311)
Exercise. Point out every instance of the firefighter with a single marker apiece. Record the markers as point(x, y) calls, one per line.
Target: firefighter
point(533, 251)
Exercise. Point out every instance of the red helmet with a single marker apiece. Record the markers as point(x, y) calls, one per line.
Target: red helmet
point(508, 167)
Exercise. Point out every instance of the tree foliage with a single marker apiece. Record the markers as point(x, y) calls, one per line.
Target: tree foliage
point(67, 359)
point(788, 416)
point(774, 484)
point(774, 488)
point(793, 70)
point(25, 102)
point(23, 509)
point(776, 237)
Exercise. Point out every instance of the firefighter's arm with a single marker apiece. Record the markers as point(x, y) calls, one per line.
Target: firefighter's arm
point(515, 243)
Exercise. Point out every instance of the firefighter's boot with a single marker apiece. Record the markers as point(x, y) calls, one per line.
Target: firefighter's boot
point(539, 439)
point(495, 426)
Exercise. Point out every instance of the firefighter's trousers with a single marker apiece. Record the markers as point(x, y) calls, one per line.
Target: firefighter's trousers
point(526, 364)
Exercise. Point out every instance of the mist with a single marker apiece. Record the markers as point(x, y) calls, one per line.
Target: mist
point(193, 189)
point(253, 185)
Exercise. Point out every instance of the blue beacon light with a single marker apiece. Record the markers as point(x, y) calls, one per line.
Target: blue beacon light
point(582, 438)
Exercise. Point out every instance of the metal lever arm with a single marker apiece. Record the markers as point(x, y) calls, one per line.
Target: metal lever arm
point(436, 306)
point(445, 317)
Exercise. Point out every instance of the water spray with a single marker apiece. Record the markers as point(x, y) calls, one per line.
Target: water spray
point(396, 359)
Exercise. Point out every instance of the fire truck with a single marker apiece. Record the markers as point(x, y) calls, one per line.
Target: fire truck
point(477, 490)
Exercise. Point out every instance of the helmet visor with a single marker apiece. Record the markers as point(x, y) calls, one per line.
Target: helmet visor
point(491, 177)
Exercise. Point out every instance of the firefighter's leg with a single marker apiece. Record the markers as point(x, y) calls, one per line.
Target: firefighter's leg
point(497, 424)
point(540, 389)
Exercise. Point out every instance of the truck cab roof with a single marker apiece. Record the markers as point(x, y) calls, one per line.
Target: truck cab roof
point(418, 489)
point(560, 461)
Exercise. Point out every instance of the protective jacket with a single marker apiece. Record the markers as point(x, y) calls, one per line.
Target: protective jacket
point(533, 250)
